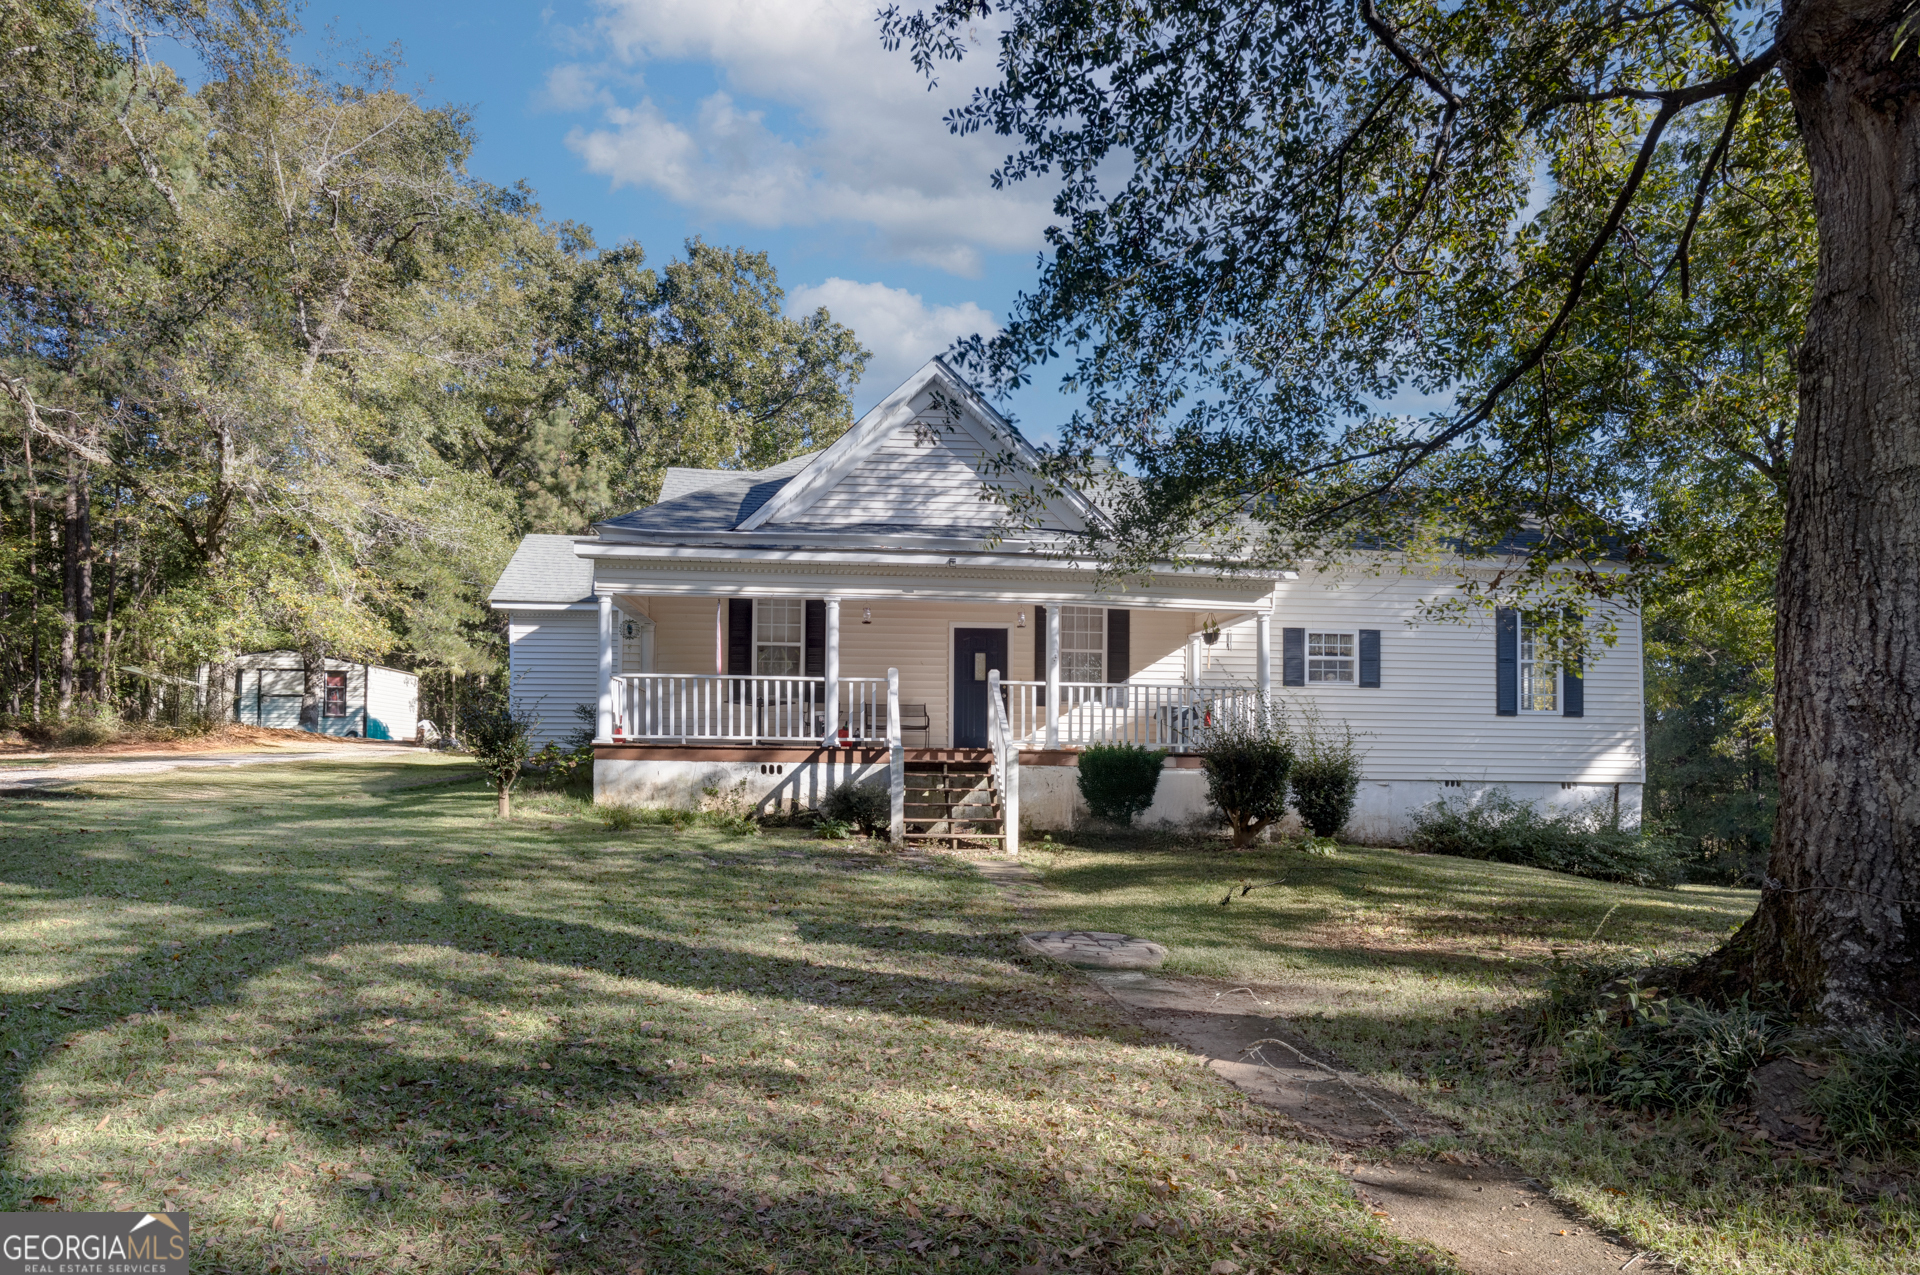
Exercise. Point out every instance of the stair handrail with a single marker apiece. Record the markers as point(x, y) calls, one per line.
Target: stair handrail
point(1006, 763)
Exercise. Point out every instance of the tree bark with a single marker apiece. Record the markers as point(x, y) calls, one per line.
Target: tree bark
point(1838, 927)
point(313, 685)
point(69, 584)
point(504, 809)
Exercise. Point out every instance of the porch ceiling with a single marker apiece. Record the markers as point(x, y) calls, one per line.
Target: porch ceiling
point(926, 578)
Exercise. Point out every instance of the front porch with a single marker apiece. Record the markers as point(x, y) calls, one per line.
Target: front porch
point(784, 738)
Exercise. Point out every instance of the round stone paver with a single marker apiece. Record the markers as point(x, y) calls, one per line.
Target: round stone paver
point(1094, 950)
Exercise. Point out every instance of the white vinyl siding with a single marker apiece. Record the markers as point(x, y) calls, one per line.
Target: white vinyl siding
point(927, 473)
point(1432, 720)
point(554, 660)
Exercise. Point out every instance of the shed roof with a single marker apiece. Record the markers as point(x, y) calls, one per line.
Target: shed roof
point(545, 569)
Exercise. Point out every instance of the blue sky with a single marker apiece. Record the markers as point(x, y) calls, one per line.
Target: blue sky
point(778, 125)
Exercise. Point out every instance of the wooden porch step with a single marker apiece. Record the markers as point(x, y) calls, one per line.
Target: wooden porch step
point(956, 836)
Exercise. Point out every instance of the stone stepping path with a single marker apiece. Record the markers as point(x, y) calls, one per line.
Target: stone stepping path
point(1091, 949)
point(1489, 1216)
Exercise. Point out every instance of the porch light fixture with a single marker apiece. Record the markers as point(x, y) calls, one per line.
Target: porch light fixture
point(866, 615)
point(1022, 623)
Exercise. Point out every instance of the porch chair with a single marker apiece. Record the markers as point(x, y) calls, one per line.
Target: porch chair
point(913, 721)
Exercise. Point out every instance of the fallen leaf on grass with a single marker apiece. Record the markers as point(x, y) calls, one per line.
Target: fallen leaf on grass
point(1225, 1266)
point(279, 1221)
point(47, 1201)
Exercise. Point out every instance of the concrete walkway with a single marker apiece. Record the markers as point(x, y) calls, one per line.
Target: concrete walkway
point(20, 778)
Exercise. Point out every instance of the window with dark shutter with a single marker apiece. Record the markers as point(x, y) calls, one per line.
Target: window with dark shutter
point(1119, 644)
point(740, 636)
point(1573, 690)
point(1370, 657)
point(1506, 662)
point(816, 657)
point(1040, 655)
point(1293, 657)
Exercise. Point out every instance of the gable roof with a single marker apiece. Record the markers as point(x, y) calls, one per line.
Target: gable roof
point(926, 458)
point(545, 569)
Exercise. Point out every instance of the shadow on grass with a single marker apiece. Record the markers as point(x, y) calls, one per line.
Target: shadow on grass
point(415, 1010)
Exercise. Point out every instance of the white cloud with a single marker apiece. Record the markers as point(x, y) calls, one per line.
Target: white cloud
point(858, 139)
point(901, 329)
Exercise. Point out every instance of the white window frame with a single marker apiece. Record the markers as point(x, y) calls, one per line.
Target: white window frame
point(1534, 673)
point(798, 645)
point(1344, 658)
point(1096, 654)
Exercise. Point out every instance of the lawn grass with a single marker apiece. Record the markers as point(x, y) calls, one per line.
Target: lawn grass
point(1421, 970)
point(349, 1021)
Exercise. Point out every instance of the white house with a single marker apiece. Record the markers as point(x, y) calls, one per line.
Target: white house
point(368, 701)
point(847, 614)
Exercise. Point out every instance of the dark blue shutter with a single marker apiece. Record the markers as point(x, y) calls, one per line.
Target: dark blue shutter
point(1119, 644)
point(1573, 691)
point(740, 636)
point(1369, 657)
point(1040, 655)
point(1293, 657)
point(1506, 662)
point(816, 640)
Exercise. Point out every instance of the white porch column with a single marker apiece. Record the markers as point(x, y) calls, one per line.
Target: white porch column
point(603, 728)
point(1053, 675)
point(896, 764)
point(832, 671)
point(1263, 651)
point(1193, 659)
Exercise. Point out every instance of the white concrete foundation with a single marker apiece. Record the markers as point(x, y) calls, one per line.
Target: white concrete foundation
point(769, 786)
point(1050, 798)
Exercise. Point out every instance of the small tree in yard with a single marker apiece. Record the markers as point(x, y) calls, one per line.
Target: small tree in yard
point(497, 738)
point(1119, 780)
point(1326, 774)
point(1249, 753)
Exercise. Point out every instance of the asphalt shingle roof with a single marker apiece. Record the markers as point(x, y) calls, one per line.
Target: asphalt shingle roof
point(545, 569)
point(720, 506)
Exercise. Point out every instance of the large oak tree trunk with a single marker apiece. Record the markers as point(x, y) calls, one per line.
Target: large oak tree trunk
point(1839, 921)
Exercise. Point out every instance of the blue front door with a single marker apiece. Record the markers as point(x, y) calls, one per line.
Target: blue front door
point(975, 653)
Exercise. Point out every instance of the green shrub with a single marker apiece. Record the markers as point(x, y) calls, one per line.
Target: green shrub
point(1582, 843)
point(496, 735)
point(1677, 1054)
point(1118, 780)
point(1248, 753)
point(1870, 1098)
point(868, 807)
point(1325, 778)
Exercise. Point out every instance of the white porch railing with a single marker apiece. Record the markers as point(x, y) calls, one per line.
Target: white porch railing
point(712, 708)
point(707, 708)
point(1173, 716)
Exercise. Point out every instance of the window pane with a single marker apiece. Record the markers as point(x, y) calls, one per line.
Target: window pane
point(1083, 644)
point(781, 621)
point(1081, 666)
point(778, 661)
point(1539, 682)
point(1330, 657)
